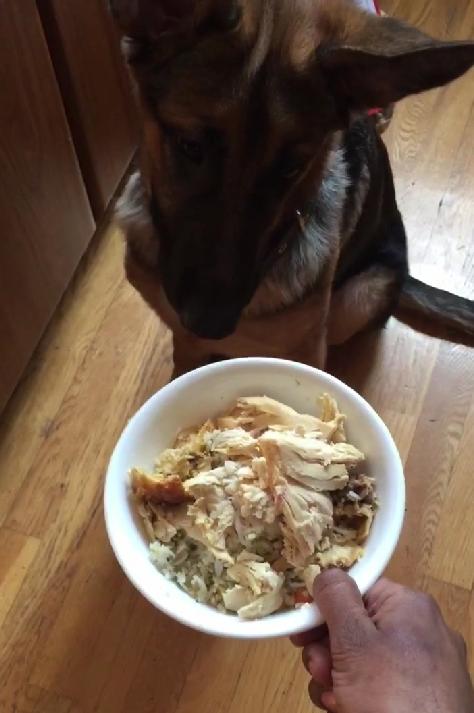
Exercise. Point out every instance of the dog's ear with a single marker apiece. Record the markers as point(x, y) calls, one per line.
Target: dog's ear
point(385, 60)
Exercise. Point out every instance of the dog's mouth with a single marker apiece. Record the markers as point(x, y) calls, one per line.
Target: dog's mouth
point(213, 312)
point(204, 305)
point(210, 319)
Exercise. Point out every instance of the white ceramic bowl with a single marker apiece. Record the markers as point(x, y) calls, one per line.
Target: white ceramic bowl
point(201, 394)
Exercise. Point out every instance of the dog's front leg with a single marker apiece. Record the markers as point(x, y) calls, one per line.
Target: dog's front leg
point(312, 347)
point(188, 353)
point(313, 351)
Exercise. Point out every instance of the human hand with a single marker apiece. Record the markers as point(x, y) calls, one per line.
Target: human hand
point(393, 654)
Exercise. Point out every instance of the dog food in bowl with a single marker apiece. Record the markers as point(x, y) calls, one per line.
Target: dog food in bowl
point(244, 511)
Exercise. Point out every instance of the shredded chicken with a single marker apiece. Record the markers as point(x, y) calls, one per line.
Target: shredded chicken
point(260, 413)
point(308, 460)
point(244, 512)
point(309, 576)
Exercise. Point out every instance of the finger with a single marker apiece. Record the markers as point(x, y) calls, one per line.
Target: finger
point(377, 595)
point(380, 593)
point(328, 701)
point(378, 590)
point(316, 693)
point(341, 604)
point(318, 663)
point(461, 645)
point(307, 637)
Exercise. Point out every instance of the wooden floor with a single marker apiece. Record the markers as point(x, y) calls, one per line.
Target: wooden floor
point(75, 637)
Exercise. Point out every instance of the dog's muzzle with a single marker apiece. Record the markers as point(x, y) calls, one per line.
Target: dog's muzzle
point(212, 318)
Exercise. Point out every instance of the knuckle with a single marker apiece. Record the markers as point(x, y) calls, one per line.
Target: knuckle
point(427, 604)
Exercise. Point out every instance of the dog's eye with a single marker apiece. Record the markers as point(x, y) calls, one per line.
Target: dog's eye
point(192, 149)
point(292, 169)
point(227, 15)
point(291, 166)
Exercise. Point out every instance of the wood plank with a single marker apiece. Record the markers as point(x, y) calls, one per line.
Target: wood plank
point(453, 601)
point(457, 606)
point(214, 676)
point(393, 372)
point(259, 689)
point(30, 420)
point(432, 459)
point(17, 552)
point(453, 547)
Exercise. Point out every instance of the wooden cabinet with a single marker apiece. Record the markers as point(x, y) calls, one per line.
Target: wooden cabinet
point(64, 146)
point(96, 91)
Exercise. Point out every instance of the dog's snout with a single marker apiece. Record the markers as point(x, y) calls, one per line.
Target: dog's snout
point(211, 318)
point(208, 305)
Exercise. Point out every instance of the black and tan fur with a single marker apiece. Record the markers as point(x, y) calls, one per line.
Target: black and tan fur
point(263, 220)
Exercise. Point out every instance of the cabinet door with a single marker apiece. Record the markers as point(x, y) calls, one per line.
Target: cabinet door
point(96, 91)
point(45, 217)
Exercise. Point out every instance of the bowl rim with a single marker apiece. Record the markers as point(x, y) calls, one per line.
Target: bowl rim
point(296, 621)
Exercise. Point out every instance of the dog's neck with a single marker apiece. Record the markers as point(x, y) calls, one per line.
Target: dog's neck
point(316, 233)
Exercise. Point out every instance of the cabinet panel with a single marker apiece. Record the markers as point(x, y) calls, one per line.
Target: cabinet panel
point(96, 91)
point(46, 222)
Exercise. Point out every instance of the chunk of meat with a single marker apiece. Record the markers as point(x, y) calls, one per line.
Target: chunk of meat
point(259, 413)
point(206, 483)
point(340, 556)
point(157, 523)
point(186, 455)
point(258, 591)
point(305, 516)
point(262, 606)
point(211, 514)
point(310, 461)
point(355, 519)
point(309, 575)
point(158, 489)
point(232, 442)
point(330, 414)
point(354, 509)
point(258, 577)
point(237, 598)
point(313, 449)
point(253, 503)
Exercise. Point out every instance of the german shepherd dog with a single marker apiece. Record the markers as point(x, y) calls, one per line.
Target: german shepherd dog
point(263, 219)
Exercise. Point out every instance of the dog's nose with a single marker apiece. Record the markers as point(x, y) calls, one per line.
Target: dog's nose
point(212, 319)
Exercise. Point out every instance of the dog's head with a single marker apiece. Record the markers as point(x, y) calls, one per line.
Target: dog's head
point(241, 102)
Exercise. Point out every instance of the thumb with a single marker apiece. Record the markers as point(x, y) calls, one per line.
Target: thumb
point(340, 603)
